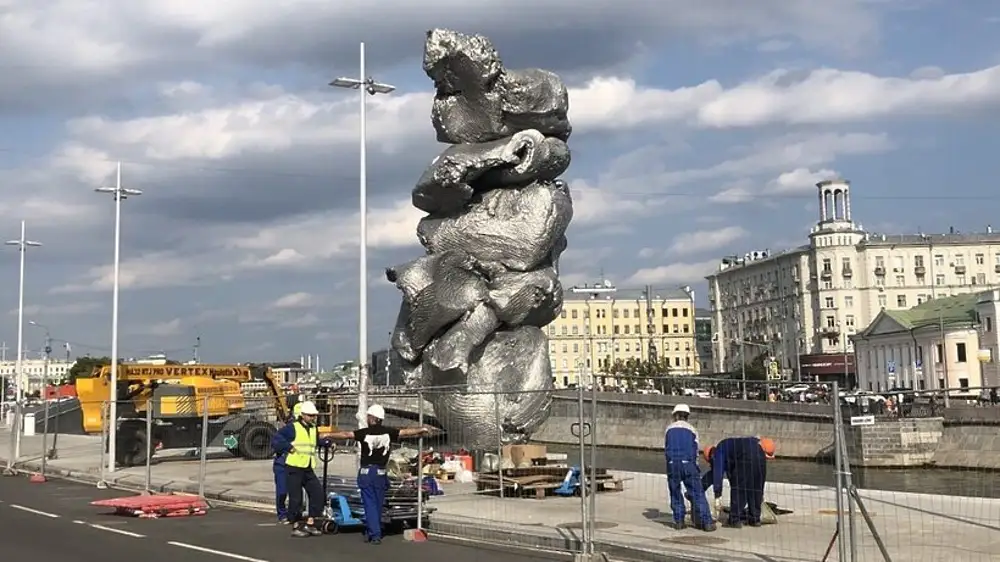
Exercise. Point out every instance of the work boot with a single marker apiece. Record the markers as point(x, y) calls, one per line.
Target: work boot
point(300, 532)
point(754, 523)
point(312, 530)
point(733, 524)
point(678, 525)
point(708, 528)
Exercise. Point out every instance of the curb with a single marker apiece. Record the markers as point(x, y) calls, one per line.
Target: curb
point(554, 540)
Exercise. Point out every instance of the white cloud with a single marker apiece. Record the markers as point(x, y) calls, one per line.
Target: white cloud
point(800, 180)
point(738, 191)
point(161, 329)
point(296, 300)
point(675, 273)
point(304, 321)
point(705, 240)
point(72, 309)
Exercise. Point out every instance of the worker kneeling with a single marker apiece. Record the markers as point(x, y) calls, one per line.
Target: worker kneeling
point(743, 460)
point(299, 441)
point(681, 449)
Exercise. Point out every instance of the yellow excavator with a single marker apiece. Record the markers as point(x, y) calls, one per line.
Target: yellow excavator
point(178, 396)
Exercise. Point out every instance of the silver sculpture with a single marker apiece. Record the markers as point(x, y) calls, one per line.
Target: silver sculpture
point(474, 307)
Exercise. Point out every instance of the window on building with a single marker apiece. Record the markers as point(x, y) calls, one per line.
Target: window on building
point(673, 312)
point(565, 348)
point(882, 301)
point(849, 320)
point(615, 313)
point(848, 301)
point(960, 352)
point(827, 265)
point(573, 315)
point(565, 365)
point(939, 279)
point(635, 313)
point(831, 322)
point(980, 259)
point(980, 279)
point(960, 279)
point(831, 341)
point(676, 329)
point(938, 352)
point(687, 328)
point(989, 324)
point(900, 281)
point(628, 347)
point(563, 330)
point(684, 312)
point(829, 302)
point(628, 329)
point(959, 259)
point(901, 301)
point(687, 346)
point(576, 348)
point(879, 261)
point(920, 355)
point(918, 261)
point(562, 314)
point(828, 285)
point(575, 330)
point(845, 264)
point(677, 361)
point(938, 260)
point(617, 330)
point(625, 313)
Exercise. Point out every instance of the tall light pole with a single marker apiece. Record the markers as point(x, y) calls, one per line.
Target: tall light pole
point(119, 193)
point(22, 244)
point(366, 86)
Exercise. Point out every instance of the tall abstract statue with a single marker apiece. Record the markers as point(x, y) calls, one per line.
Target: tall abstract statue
point(474, 306)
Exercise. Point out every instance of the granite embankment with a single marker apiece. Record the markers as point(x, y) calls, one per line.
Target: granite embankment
point(962, 437)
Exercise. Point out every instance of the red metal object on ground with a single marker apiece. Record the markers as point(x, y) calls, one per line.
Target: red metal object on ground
point(147, 506)
point(37, 479)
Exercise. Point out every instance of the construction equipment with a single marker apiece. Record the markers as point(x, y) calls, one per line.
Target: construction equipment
point(179, 395)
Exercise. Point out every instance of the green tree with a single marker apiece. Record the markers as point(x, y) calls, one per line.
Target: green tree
point(756, 368)
point(84, 367)
point(642, 373)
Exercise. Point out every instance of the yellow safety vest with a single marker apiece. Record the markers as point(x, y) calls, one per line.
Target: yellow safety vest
point(303, 454)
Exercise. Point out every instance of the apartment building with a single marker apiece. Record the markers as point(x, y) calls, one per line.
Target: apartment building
point(803, 304)
point(33, 372)
point(601, 324)
point(703, 339)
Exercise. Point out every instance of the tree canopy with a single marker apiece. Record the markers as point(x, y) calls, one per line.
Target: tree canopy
point(640, 373)
point(85, 366)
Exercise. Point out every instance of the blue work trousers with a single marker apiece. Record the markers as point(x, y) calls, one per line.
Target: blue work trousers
point(686, 473)
point(280, 491)
point(373, 484)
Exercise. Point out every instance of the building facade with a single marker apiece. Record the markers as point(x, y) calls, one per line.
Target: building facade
point(803, 304)
point(387, 368)
point(988, 310)
point(33, 372)
point(601, 324)
point(934, 345)
point(703, 339)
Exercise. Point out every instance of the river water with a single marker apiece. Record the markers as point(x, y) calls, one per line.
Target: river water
point(916, 480)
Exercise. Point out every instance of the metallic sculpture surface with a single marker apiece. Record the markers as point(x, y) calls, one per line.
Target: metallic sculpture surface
point(474, 307)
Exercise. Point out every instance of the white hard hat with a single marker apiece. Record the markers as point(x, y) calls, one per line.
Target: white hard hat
point(682, 409)
point(309, 409)
point(376, 411)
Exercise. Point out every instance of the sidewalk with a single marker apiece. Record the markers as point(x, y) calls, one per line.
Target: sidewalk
point(630, 524)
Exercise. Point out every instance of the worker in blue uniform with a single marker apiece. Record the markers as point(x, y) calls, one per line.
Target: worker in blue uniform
point(278, 467)
point(375, 441)
point(743, 460)
point(680, 445)
point(299, 442)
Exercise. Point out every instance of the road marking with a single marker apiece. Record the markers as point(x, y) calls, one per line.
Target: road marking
point(216, 552)
point(110, 529)
point(35, 511)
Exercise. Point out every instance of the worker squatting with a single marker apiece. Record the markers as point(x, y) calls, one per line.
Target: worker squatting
point(295, 458)
point(742, 460)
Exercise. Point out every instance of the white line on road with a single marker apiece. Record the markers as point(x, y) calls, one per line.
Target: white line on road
point(110, 529)
point(35, 511)
point(216, 552)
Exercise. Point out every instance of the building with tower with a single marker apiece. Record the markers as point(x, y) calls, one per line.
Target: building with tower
point(803, 305)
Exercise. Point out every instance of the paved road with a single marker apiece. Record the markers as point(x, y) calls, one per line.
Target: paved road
point(55, 521)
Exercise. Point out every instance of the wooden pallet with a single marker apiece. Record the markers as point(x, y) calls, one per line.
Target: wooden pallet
point(540, 482)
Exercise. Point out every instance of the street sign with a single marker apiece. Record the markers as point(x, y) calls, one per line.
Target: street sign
point(891, 367)
point(862, 420)
point(230, 441)
point(919, 363)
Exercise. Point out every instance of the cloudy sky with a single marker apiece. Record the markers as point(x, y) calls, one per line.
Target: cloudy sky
point(699, 130)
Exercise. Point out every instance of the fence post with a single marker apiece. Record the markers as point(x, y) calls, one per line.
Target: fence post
point(203, 461)
point(593, 459)
point(18, 430)
point(101, 484)
point(15, 429)
point(584, 515)
point(838, 456)
point(420, 462)
point(499, 424)
point(149, 444)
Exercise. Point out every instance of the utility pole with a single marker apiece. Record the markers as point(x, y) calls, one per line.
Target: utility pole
point(944, 355)
point(743, 357)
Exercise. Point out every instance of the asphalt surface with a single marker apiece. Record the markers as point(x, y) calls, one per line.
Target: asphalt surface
point(55, 521)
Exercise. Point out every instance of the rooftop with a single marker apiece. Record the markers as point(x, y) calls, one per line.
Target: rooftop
point(877, 239)
point(607, 291)
point(949, 311)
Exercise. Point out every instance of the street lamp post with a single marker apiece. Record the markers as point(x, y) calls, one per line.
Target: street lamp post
point(366, 86)
point(119, 193)
point(22, 244)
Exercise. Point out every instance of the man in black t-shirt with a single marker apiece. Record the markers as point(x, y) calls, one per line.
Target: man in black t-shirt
point(375, 442)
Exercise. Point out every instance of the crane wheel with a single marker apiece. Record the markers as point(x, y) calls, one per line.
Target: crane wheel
point(255, 440)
